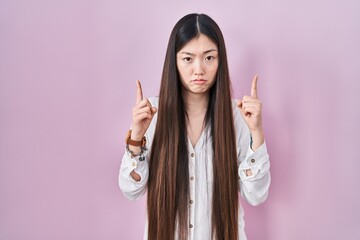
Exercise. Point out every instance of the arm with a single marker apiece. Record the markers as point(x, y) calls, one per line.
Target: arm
point(134, 170)
point(254, 165)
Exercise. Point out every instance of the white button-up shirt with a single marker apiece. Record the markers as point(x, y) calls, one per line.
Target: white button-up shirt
point(253, 188)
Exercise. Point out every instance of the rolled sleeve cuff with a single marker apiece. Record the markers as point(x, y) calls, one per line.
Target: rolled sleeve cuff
point(133, 164)
point(256, 161)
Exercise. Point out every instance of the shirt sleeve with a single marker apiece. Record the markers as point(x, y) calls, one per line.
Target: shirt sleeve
point(133, 189)
point(253, 188)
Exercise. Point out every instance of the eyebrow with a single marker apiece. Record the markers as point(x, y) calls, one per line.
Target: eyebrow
point(192, 54)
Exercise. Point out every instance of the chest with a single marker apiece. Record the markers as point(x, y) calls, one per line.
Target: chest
point(195, 127)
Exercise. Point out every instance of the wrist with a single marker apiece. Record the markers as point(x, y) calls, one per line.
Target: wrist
point(136, 153)
point(257, 139)
point(135, 134)
point(134, 141)
point(257, 133)
point(136, 137)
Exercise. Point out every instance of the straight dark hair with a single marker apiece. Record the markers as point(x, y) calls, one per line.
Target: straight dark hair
point(168, 184)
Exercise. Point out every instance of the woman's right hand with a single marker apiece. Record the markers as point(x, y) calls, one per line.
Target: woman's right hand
point(142, 113)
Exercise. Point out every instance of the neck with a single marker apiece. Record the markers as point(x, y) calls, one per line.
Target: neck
point(196, 103)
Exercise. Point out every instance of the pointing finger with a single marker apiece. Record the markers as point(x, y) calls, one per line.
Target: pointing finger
point(139, 94)
point(254, 86)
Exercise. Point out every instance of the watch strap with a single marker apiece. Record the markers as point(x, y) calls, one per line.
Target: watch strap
point(135, 143)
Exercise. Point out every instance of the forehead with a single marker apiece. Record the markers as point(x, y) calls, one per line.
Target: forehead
point(199, 44)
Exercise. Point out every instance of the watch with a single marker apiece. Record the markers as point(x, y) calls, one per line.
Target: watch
point(131, 142)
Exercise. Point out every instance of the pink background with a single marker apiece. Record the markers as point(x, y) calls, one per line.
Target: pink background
point(67, 86)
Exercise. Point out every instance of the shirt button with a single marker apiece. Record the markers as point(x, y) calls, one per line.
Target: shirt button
point(191, 178)
point(191, 201)
point(252, 160)
point(192, 155)
point(133, 164)
point(191, 226)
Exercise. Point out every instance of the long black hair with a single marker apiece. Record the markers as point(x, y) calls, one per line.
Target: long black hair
point(168, 184)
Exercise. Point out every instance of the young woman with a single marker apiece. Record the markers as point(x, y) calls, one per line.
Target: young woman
point(193, 148)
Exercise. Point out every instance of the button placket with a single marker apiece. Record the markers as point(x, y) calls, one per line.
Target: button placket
point(192, 158)
point(191, 202)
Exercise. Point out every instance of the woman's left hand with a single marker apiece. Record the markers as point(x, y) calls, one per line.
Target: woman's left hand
point(250, 107)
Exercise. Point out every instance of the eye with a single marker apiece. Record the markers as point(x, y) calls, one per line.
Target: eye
point(209, 58)
point(187, 59)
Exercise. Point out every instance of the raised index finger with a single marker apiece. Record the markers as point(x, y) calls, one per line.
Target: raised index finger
point(139, 94)
point(254, 86)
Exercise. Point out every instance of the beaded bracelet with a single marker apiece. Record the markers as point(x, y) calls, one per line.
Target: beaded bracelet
point(141, 154)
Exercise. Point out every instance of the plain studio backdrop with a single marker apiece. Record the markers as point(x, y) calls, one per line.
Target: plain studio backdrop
point(67, 87)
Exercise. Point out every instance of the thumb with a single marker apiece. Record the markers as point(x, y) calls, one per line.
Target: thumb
point(240, 106)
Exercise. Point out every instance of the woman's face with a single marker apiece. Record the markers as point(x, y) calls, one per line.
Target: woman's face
point(197, 63)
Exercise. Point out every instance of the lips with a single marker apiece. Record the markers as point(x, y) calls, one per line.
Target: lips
point(199, 81)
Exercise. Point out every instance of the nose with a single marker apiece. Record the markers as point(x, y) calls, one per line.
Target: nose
point(199, 68)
